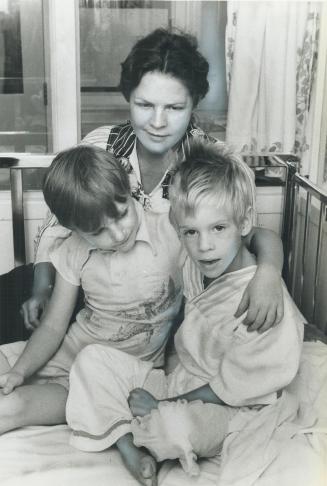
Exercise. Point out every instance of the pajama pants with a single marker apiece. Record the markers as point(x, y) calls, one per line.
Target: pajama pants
point(101, 379)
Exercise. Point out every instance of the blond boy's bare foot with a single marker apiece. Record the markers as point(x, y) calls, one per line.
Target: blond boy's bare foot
point(138, 461)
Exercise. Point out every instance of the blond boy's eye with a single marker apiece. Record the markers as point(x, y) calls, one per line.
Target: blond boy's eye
point(219, 228)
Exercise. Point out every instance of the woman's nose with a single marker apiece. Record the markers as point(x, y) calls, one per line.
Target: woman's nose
point(158, 118)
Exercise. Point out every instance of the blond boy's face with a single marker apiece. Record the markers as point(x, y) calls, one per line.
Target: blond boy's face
point(116, 234)
point(211, 238)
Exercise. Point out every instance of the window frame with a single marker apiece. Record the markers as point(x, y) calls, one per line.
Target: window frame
point(62, 71)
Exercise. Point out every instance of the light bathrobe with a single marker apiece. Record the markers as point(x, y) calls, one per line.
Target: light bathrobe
point(244, 369)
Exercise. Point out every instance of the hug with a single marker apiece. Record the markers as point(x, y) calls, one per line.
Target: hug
point(187, 344)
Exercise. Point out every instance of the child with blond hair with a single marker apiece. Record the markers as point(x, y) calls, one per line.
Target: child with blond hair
point(228, 369)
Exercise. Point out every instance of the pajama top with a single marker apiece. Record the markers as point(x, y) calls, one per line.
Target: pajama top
point(131, 298)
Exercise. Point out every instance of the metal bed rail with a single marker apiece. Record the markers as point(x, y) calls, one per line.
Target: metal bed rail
point(306, 256)
point(16, 164)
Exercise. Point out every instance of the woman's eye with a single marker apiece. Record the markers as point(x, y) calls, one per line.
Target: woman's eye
point(144, 105)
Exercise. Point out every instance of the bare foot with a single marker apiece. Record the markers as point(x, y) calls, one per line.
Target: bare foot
point(138, 461)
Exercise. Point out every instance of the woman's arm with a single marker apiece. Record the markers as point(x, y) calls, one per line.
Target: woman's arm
point(267, 246)
point(263, 297)
point(47, 338)
point(50, 236)
point(33, 308)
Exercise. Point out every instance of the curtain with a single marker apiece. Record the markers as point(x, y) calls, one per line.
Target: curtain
point(271, 50)
point(187, 16)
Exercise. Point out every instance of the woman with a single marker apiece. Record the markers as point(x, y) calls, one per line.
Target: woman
point(163, 78)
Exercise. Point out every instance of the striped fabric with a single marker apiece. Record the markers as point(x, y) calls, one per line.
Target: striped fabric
point(120, 141)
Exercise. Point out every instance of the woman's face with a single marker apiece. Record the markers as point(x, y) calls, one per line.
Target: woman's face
point(160, 111)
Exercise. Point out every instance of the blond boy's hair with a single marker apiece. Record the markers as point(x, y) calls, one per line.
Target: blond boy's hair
point(212, 170)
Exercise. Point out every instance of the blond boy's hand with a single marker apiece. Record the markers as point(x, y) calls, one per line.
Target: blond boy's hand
point(141, 402)
point(9, 381)
point(263, 300)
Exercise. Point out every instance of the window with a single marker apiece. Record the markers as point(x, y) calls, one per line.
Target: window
point(108, 30)
point(23, 84)
point(23, 87)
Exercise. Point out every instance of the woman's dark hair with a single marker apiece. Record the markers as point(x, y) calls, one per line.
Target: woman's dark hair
point(170, 53)
point(83, 185)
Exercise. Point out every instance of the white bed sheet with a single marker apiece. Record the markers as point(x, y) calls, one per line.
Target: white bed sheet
point(35, 456)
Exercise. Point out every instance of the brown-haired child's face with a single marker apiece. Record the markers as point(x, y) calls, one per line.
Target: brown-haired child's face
point(116, 234)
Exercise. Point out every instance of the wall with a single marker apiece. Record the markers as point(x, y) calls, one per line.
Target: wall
point(269, 202)
point(35, 211)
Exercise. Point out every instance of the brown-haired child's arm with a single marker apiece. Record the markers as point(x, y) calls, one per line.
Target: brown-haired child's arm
point(46, 339)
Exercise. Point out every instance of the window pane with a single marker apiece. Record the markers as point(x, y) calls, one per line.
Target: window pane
point(108, 30)
point(23, 96)
point(23, 121)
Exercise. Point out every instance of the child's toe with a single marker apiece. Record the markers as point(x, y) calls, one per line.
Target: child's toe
point(149, 471)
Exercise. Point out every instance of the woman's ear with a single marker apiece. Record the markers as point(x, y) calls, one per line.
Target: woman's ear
point(247, 222)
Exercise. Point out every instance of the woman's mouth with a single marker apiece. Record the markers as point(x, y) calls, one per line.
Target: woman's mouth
point(157, 137)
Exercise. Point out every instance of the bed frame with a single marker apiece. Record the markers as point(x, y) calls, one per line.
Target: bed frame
point(304, 228)
point(34, 456)
point(305, 245)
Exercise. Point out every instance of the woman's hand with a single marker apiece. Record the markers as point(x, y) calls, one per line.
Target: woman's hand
point(11, 380)
point(33, 309)
point(263, 300)
point(141, 402)
point(43, 283)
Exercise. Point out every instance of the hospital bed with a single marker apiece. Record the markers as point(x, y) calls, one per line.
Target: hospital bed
point(34, 456)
